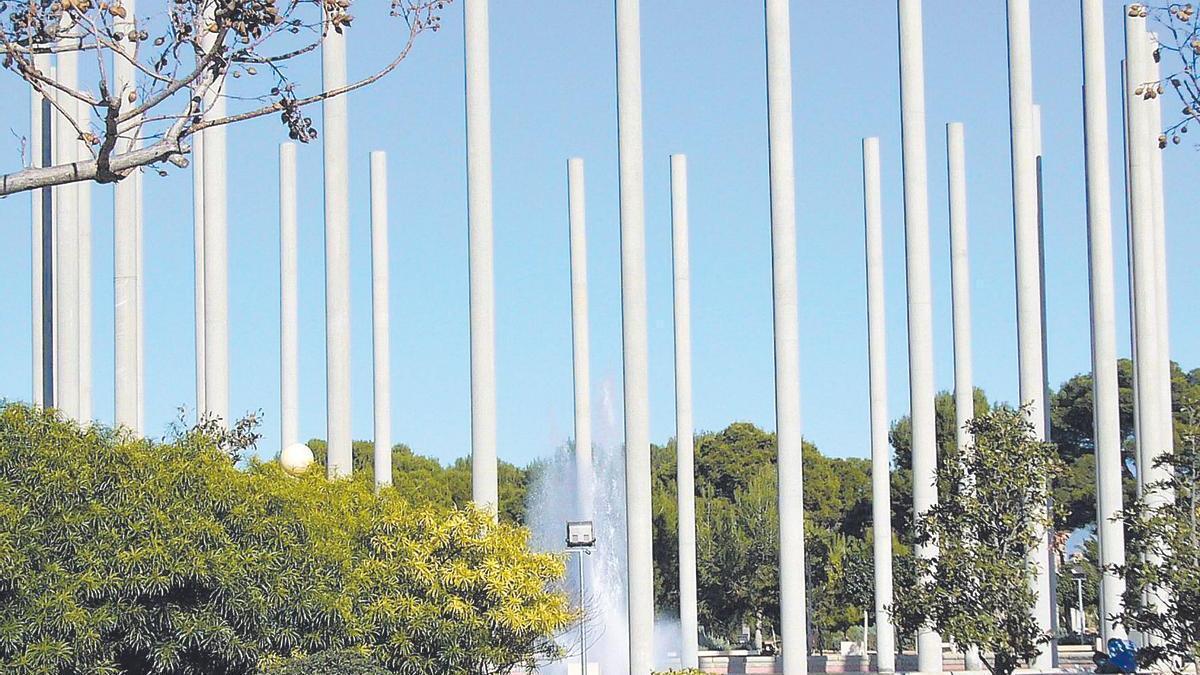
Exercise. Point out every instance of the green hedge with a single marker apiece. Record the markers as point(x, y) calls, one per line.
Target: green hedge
point(126, 556)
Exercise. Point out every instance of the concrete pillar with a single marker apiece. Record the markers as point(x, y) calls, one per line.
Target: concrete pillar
point(337, 258)
point(198, 273)
point(1161, 290)
point(216, 258)
point(41, 222)
point(125, 272)
point(1106, 416)
point(484, 477)
point(920, 294)
point(577, 215)
point(380, 320)
point(84, 197)
point(792, 594)
point(960, 275)
point(639, 556)
point(289, 279)
point(67, 226)
point(881, 451)
point(684, 452)
point(139, 180)
point(1029, 280)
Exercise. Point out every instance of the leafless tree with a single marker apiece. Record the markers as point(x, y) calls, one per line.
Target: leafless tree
point(1178, 54)
point(184, 53)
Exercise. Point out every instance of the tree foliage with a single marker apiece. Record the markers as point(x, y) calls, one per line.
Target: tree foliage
point(127, 556)
point(1162, 570)
point(977, 589)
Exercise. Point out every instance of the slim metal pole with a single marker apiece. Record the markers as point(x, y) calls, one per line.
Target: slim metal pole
point(582, 621)
point(579, 336)
point(639, 556)
point(792, 593)
point(380, 320)
point(484, 477)
point(289, 353)
point(920, 293)
point(881, 451)
point(1106, 411)
point(684, 452)
point(337, 256)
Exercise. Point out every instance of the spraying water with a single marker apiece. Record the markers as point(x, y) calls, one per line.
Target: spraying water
point(554, 499)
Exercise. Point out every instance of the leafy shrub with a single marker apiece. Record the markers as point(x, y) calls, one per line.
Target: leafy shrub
point(339, 662)
point(125, 556)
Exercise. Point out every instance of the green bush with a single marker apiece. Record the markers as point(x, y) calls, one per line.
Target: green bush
point(340, 662)
point(126, 556)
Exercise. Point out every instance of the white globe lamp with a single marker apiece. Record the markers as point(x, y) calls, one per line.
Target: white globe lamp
point(296, 458)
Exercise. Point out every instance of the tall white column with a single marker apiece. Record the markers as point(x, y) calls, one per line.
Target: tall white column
point(39, 220)
point(289, 276)
point(1029, 280)
point(881, 451)
point(484, 477)
point(139, 180)
point(792, 594)
point(380, 320)
point(1142, 144)
point(198, 270)
point(1106, 415)
point(577, 215)
point(920, 294)
point(84, 197)
point(684, 452)
point(634, 340)
point(67, 240)
point(216, 258)
point(337, 258)
point(125, 282)
point(960, 274)
point(1161, 290)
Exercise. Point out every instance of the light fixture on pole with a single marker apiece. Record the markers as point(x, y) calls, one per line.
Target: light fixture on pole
point(581, 539)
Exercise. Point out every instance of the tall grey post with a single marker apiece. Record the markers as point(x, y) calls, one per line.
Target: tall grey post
point(140, 323)
point(216, 258)
point(484, 485)
point(198, 269)
point(920, 294)
point(379, 319)
point(84, 224)
point(337, 257)
point(1106, 417)
point(1029, 278)
point(634, 340)
point(881, 451)
point(577, 216)
point(67, 240)
point(684, 451)
point(1161, 290)
point(289, 356)
point(125, 272)
point(960, 277)
point(781, 144)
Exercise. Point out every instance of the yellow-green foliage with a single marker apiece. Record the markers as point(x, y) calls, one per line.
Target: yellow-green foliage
point(123, 556)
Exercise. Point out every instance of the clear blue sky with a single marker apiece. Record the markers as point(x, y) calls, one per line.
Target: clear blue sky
point(554, 97)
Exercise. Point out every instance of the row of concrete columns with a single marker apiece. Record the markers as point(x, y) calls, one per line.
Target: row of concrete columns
point(62, 273)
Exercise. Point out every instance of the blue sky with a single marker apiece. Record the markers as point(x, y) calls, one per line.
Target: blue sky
point(553, 93)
